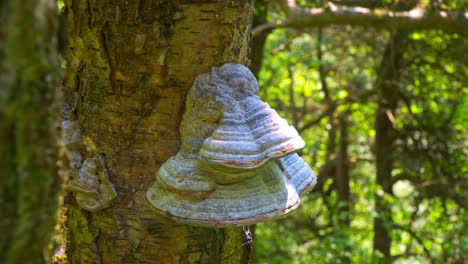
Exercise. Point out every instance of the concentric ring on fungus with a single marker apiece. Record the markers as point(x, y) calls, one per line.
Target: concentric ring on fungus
point(238, 163)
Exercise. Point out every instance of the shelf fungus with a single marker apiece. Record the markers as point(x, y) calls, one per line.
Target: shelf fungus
point(238, 162)
point(89, 178)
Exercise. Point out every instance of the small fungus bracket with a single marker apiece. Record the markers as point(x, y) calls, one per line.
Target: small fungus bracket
point(89, 180)
point(238, 162)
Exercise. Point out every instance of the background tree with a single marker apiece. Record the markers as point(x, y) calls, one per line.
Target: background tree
point(28, 130)
point(382, 108)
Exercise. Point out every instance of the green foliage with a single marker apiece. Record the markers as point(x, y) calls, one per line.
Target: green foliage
point(427, 224)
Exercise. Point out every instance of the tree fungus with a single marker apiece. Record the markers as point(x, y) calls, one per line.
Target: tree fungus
point(238, 162)
point(89, 181)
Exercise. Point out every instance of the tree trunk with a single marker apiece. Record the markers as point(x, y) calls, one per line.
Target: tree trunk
point(342, 171)
point(129, 67)
point(258, 41)
point(387, 88)
point(28, 132)
point(342, 185)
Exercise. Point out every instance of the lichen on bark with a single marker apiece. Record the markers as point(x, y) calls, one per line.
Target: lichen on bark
point(129, 67)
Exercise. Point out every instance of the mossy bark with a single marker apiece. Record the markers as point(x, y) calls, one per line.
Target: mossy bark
point(129, 67)
point(28, 130)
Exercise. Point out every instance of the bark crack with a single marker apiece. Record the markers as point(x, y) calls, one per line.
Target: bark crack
point(248, 239)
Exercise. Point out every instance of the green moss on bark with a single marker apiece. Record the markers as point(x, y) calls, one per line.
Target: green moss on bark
point(28, 133)
point(129, 66)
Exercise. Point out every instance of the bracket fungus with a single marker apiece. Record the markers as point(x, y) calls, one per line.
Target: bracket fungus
point(238, 162)
point(89, 181)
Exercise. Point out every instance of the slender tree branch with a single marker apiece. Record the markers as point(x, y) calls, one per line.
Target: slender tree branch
point(326, 113)
point(416, 19)
point(292, 102)
point(413, 233)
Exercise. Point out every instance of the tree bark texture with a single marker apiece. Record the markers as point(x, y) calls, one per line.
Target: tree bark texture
point(28, 133)
point(387, 88)
point(129, 67)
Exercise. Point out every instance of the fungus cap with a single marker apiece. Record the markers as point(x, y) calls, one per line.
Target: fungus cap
point(237, 164)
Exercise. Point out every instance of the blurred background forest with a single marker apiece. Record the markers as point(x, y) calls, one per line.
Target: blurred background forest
point(377, 89)
point(384, 114)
